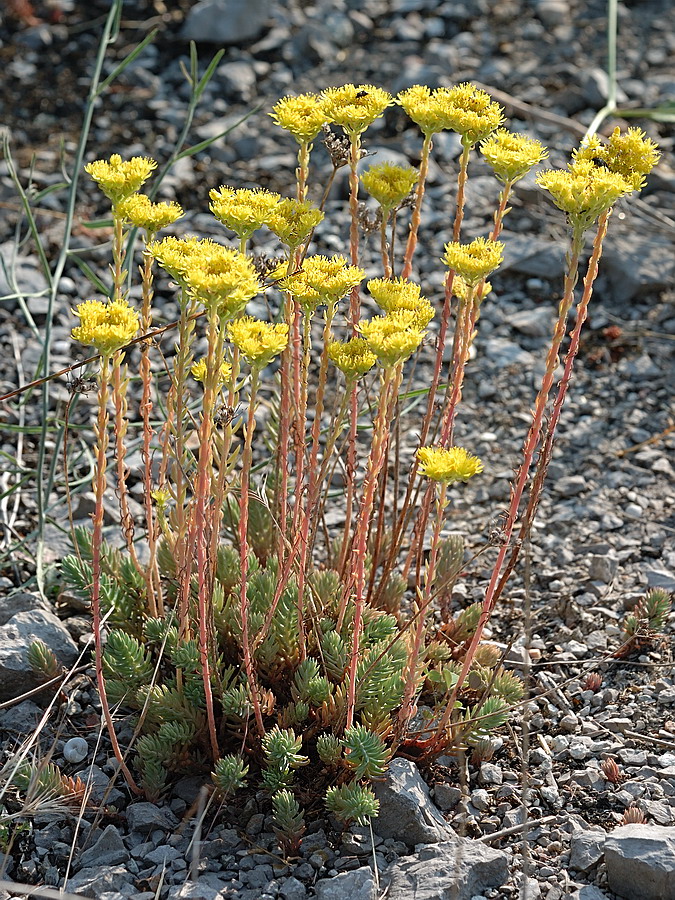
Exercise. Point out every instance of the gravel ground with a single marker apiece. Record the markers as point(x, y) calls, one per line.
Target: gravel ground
point(605, 529)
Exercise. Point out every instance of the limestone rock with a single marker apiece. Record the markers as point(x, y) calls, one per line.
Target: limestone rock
point(454, 870)
point(406, 810)
point(226, 21)
point(640, 862)
point(16, 636)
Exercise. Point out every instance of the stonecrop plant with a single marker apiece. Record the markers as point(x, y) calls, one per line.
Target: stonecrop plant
point(245, 636)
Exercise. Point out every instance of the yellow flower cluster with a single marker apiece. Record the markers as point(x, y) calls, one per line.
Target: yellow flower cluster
point(392, 338)
point(470, 112)
point(389, 184)
point(631, 155)
point(293, 221)
point(395, 295)
point(355, 107)
point(214, 275)
point(584, 191)
point(448, 465)
point(173, 254)
point(302, 116)
point(463, 108)
point(322, 280)
point(143, 213)
point(199, 371)
point(258, 342)
point(420, 104)
point(242, 210)
point(510, 155)
point(119, 178)
point(222, 278)
point(474, 261)
point(461, 289)
point(353, 358)
point(107, 325)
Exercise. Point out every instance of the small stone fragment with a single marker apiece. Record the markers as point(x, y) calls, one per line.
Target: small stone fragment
point(406, 811)
point(586, 849)
point(109, 850)
point(356, 885)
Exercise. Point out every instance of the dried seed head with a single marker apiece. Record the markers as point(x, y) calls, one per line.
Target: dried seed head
point(337, 146)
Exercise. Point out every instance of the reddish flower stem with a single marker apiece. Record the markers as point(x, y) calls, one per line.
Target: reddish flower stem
point(97, 538)
point(416, 217)
point(202, 495)
point(152, 580)
point(243, 552)
point(391, 382)
point(529, 448)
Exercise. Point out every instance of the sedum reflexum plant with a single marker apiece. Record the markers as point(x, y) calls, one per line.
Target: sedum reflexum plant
point(250, 639)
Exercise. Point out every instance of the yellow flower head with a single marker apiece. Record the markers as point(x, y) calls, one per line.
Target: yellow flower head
point(468, 111)
point(389, 184)
point(392, 338)
point(293, 221)
point(258, 342)
point(199, 371)
point(221, 277)
point(398, 295)
point(584, 191)
point(143, 213)
point(420, 104)
point(631, 155)
point(119, 178)
point(393, 293)
point(173, 254)
point(242, 210)
point(302, 116)
point(322, 280)
point(161, 498)
point(448, 465)
point(511, 156)
point(474, 261)
point(353, 358)
point(107, 325)
point(355, 107)
point(461, 289)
